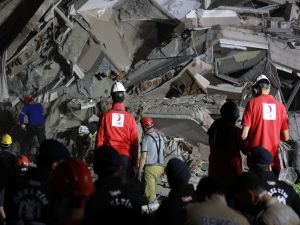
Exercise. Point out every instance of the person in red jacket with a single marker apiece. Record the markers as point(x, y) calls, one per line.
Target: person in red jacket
point(118, 129)
point(265, 121)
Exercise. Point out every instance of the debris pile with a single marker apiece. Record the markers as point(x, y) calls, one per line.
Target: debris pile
point(179, 60)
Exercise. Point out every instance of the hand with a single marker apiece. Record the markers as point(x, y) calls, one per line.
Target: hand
point(23, 126)
point(140, 176)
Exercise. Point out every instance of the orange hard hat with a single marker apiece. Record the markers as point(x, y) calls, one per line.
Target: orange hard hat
point(147, 123)
point(72, 178)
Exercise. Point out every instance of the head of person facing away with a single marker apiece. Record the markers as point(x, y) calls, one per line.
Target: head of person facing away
point(70, 186)
point(261, 160)
point(230, 112)
point(261, 85)
point(27, 99)
point(118, 92)
point(177, 173)
point(107, 162)
point(207, 188)
point(248, 190)
point(51, 152)
point(147, 124)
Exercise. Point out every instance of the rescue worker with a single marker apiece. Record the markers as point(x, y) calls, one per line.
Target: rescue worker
point(225, 162)
point(6, 141)
point(71, 184)
point(265, 121)
point(212, 207)
point(36, 123)
point(262, 166)
point(8, 163)
point(6, 152)
point(26, 197)
point(268, 210)
point(23, 164)
point(113, 200)
point(117, 128)
point(181, 194)
point(83, 142)
point(151, 158)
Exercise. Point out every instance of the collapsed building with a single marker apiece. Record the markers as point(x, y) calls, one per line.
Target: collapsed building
point(179, 60)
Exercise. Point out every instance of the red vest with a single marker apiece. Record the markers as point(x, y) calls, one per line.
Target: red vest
point(267, 119)
point(118, 129)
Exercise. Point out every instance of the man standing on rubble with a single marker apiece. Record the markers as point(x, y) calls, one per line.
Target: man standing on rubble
point(265, 121)
point(152, 158)
point(118, 129)
point(36, 123)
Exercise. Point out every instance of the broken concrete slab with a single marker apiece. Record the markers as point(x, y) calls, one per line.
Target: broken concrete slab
point(208, 18)
point(14, 16)
point(141, 10)
point(73, 46)
point(4, 95)
point(93, 4)
point(187, 117)
point(178, 8)
point(231, 91)
point(282, 55)
point(238, 62)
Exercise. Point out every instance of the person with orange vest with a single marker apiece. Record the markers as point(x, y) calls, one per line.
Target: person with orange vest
point(118, 129)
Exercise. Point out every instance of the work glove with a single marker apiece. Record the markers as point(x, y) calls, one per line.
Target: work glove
point(140, 176)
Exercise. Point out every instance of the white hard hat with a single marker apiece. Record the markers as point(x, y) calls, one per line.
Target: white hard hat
point(83, 130)
point(117, 87)
point(262, 77)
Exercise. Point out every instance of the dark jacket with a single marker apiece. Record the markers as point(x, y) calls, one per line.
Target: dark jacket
point(284, 193)
point(35, 114)
point(113, 202)
point(171, 210)
point(26, 198)
point(225, 162)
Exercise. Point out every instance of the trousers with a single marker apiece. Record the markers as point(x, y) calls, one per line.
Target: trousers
point(151, 175)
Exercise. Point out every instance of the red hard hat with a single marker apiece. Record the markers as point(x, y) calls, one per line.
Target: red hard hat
point(72, 178)
point(27, 99)
point(23, 163)
point(147, 122)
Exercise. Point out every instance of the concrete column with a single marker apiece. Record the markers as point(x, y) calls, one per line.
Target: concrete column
point(3, 78)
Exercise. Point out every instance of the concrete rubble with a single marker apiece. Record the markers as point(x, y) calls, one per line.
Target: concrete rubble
point(179, 60)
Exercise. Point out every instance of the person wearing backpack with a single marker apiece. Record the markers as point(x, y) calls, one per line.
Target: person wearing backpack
point(151, 158)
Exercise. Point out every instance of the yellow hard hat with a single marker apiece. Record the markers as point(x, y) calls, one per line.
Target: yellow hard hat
point(6, 140)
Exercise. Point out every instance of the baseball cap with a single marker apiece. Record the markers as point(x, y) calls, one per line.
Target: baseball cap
point(261, 155)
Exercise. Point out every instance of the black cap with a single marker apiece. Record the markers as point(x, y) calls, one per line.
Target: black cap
point(260, 155)
point(52, 151)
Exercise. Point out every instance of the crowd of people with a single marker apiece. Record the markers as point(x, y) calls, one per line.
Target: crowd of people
point(63, 190)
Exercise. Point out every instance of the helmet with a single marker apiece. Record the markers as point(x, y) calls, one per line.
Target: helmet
point(261, 81)
point(23, 163)
point(72, 178)
point(147, 123)
point(27, 99)
point(6, 140)
point(117, 87)
point(83, 130)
